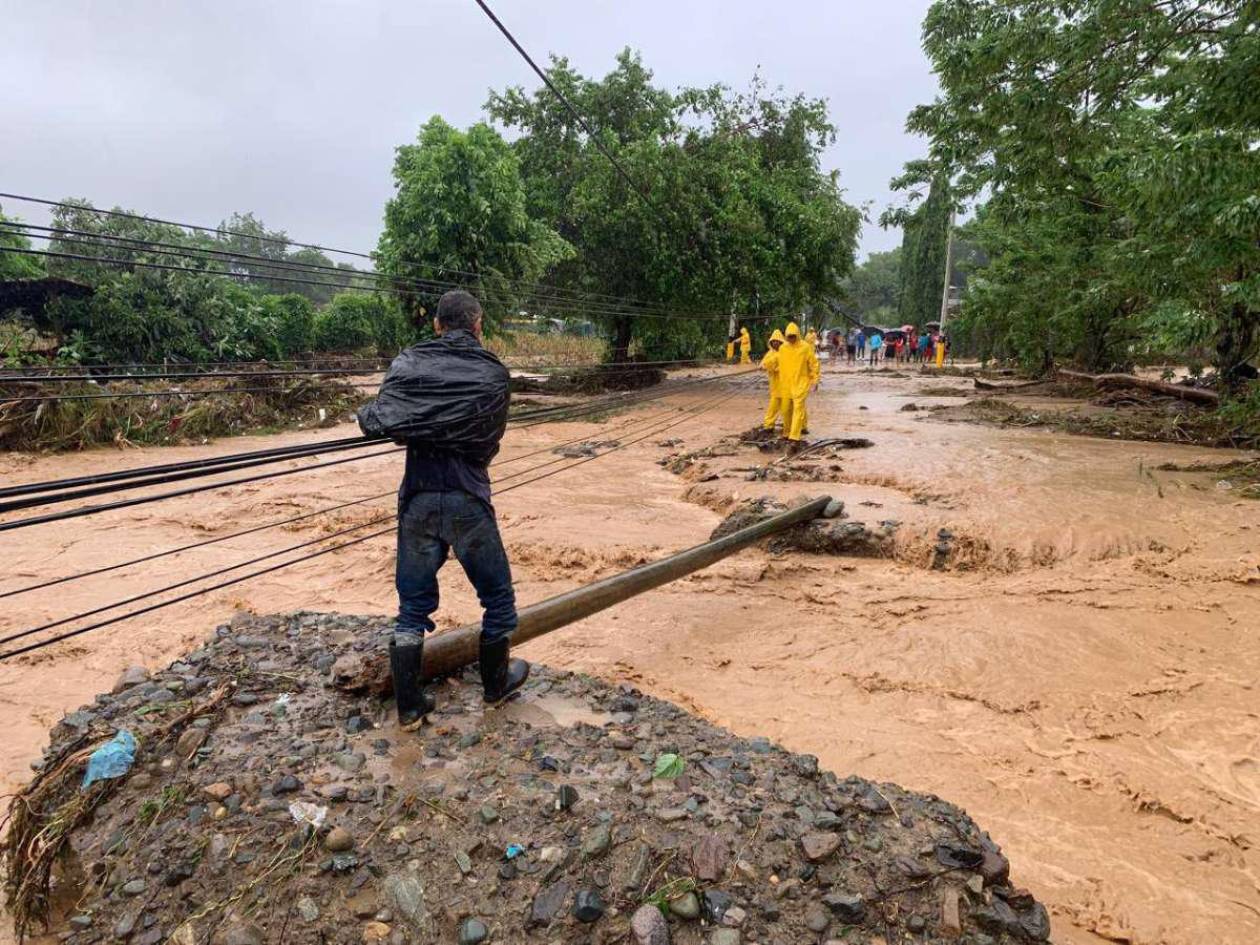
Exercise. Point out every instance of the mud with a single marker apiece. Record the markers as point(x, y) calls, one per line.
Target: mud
point(1080, 674)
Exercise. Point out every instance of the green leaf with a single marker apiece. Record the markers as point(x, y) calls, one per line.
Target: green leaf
point(668, 766)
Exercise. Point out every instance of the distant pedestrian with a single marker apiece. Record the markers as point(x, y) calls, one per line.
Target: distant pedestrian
point(876, 342)
point(850, 346)
point(861, 344)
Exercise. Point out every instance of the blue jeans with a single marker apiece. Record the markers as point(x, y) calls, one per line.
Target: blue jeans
point(430, 526)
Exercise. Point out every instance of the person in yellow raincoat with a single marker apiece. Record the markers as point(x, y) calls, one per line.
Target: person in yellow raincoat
point(770, 364)
point(799, 372)
point(811, 339)
point(730, 349)
point(745, 347)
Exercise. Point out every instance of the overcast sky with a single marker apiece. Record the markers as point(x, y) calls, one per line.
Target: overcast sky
point(293, 109)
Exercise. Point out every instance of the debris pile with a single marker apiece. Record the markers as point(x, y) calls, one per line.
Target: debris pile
point(824, 536)
point(263, 805)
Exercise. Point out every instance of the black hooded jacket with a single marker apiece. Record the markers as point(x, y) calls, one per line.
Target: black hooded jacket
point(447, 399)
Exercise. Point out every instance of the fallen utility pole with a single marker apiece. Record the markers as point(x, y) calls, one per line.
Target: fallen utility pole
point(446, 652)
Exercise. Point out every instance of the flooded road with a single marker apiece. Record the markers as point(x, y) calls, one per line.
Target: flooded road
point(1082, 677)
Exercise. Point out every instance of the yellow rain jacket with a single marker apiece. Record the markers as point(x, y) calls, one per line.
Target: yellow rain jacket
point(770, 364)
point(799, 370)
point(745, 347)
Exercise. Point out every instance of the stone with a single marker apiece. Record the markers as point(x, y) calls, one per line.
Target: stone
point(239, 933)
point(190, 741)
point(407, 893)
point(714, 905)
point(735, 916)
point(916, 924)
point(596, 842)
point(375, 932)
point(725, 937)
point(307, 909)
point(133, 888)
point(472, 931)
point(131, 676)
point(464, 862)
point(124, 927)
point(286, 785)
point(548, 903)
point(995, 868)
point(846, 906)
point(219, 791)
point(951, 921)
point(488, 814)
point(649, 926)
point(667, 815)
point(818, 846)
point(1036, 923)
point(709, 857)
point(588, 905)
point(805, 765)
point(81, 921)
point(566, 797)
point(817, 918)
point(356, 724)
point(686, 906)
point(339, 840)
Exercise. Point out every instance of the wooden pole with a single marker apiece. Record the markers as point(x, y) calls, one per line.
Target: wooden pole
point(447, 652)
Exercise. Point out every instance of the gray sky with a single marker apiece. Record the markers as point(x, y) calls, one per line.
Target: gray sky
point(293, 109)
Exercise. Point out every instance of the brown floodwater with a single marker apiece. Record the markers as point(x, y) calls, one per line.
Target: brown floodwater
point(1082, 677)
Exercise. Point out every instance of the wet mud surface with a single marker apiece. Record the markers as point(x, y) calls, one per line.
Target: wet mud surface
point(1078, 669)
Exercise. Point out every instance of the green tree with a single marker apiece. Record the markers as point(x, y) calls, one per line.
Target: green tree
point(361, 321)
point(925, 232)
point(16, 265)
point(1114, 144)
point(726, 210)
point(459, 215)
point(874, 286)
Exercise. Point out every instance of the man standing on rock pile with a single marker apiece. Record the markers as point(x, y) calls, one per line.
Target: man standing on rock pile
point(447, 400)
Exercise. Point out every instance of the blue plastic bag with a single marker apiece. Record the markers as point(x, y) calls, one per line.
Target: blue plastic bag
point(111, 760)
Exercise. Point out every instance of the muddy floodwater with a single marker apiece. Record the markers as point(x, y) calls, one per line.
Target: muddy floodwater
point(1081, 676)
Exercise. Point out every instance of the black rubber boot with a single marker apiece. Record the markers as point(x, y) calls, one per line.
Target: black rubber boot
point(501, 676)
point(413, 700)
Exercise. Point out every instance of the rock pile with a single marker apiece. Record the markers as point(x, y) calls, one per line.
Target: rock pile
point(266, 806)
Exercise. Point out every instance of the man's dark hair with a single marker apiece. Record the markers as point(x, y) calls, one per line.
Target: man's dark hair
point(458, 309)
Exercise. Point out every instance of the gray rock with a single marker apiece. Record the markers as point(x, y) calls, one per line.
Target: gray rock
point(286, 785)
point(407, 893)
point(81, 922)
point(649, 926)
point(488, 814)
point(133, 888)
point(816, 918)
point(668, 815)
point(467, 741)
point(132, 676)
point(464, 862)
point(725, 937)
point(548, 903)
point(588, 905)
point(307, 909)
point(596, 842)
point(566, 797)
point(239, 933)
point(846, 906)
point(686, 906)
point(472, 931)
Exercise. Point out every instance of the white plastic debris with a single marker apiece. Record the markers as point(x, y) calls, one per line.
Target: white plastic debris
point(306, 813)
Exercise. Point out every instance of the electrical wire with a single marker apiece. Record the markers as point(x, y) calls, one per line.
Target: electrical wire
point(286, 242)
point(543, 415)
point(303, 517)
point(9, 654)
point(548, 296)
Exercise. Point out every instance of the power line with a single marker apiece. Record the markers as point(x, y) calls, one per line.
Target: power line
point(228, 463)
point(285, 521)
point(152, 607)
point(219, 232)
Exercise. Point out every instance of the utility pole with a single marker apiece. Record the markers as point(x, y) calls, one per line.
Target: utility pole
point(949, 265)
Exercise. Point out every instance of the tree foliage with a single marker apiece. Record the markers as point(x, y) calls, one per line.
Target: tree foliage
point(459, 215)
point(726, 208)
point(872, 293)
point(1114, 146)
